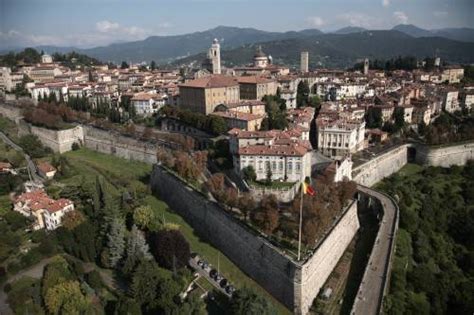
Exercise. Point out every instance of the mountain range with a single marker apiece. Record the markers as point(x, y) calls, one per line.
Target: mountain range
point(339, 48)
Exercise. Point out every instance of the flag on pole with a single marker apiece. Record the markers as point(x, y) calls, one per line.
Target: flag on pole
point(307, 189)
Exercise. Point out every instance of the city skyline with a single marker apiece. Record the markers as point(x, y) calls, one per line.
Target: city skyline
point(33, 23)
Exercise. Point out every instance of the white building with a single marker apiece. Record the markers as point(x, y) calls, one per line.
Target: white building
point(147, 104)
point(288, 160)
point(450, 103)
point(338, 138)
point(47, 212)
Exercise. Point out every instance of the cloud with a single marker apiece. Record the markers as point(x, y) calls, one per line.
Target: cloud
point(400, 17)
point(385, 3)
point(115, 28)
point(359, 19)
point(440, 13)
point(106, 26)
point(315, 21)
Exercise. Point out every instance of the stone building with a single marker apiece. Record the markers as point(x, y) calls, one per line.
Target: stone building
point(204, 94)
point(47, 212)
point(244, 121)
point(338, 138)
point(255, 87)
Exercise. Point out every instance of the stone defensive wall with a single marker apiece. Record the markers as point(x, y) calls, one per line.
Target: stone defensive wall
point(10, 112)
point(295, 284)
point(391, 161)
point(445, 156)
point(108, 142)
point(58, 140)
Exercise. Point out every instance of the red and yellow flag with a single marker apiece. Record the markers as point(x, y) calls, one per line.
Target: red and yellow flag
point(308, 190)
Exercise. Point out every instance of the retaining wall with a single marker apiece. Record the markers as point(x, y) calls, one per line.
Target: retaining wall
point(125, 147)
point(295, 284)
point(390, 162)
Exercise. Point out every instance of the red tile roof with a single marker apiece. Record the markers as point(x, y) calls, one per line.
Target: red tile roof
point(213, 81)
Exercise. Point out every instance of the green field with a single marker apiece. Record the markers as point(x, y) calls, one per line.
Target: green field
point(121, 172)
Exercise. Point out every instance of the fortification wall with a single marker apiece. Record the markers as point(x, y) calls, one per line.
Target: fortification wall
point(293, 283)
point(317, 269)
point(445, 156)
point(58, 140)
point(10, 112)
point(393, 160)
point(125, 147)
point(381, 166)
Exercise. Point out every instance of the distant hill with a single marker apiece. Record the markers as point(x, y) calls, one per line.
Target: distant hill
point(342, 50)
point(163, 49)
point(350, 30)
point(460, 34)
point(337, 48)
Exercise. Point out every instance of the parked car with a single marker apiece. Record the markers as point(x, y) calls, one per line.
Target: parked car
point(219, 278)
point(205, 265)
point(200, 262)
point(223, 283)
point(213, 273)
point(229, 289)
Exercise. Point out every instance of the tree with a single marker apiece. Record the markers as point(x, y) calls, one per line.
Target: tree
point(302, 94)
point(267, 216)
point(315, 101)
point(170, 249)
point(373, 117)
point(146, 218)
point(137, 249)
point(116, 242)
point(124, 65)
point(66, 298)
point(73, 219)
point(247, 302)
point(153, 65)
point(91, 77)
point(268, 179)
point(217, 125)
point(249, 173)
point(399, 118)
point(192, 306)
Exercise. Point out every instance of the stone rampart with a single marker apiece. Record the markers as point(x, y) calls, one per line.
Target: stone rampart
point(125, 147)
point(445, 156)
point(58, 140)
point(295, 284)
point(390, 162)
point(10, 112)
point(381, 166)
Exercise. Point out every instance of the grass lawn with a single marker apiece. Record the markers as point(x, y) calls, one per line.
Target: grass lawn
point(120, 171)
point(273, 185)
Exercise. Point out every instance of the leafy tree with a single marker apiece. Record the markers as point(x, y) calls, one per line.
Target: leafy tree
point(267, 216)
point(33, 146)
point(249, 173)
point(124, 65)
point(146, 218)
point(399, 118)
point(153, 65)
point(373, 117)
point(66, 298)
point(302, 94)
point(268, 179)
point(247, 302)
point(217, 125)
point(170, 249)
point(192, 306)
point(128, 306)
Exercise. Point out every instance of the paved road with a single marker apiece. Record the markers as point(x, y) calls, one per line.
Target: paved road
point(35, 271)
point(371, 291)
point(30, 164)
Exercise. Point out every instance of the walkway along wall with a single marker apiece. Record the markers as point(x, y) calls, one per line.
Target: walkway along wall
point(295, 284)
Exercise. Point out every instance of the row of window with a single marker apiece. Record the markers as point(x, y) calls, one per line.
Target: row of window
point(278, 166)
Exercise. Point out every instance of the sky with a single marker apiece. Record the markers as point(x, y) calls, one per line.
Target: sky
point(87, 23)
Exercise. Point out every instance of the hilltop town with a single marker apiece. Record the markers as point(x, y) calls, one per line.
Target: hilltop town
point(110, 171)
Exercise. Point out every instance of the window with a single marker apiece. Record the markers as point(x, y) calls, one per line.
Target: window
point(298, 166)
point(259, 165)
point(274, 166)
point(280, 166)
point(290, 167)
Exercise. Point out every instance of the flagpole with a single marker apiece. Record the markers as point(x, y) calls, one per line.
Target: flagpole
point(301, 222)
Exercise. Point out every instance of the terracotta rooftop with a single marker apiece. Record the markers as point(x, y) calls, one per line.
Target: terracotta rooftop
point(254, 80)
point(45, 167)
point(39, 200)
point(288, 149)
point(214, 81)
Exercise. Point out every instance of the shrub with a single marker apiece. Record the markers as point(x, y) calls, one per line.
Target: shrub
point(170, 248)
